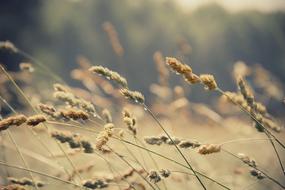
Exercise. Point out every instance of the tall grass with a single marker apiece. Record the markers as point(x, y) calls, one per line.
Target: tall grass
point(106, 135)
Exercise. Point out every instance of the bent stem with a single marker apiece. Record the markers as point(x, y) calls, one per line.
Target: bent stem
point(264, 173)
point(267, 132)
point(141, 147)
point(39, 173)
point(34, 134)
point(36, 111)
point(22, 157)
point(276, 152)
point(160, 125)
point(124, 160)
point(275, 138)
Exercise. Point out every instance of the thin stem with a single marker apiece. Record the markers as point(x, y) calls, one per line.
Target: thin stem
point(31, 105)
point(240, 140)
point(109, 166)
point(267, 132)
point(39, 173)
point(276, 152)
point(40, 64)
point(160, 125)
point(174, 161)
point(33, 133)
point(124, 160)
point(143, 148)
point(22, 157)
point(3, 148)
point(264, 173)
point(275, 138)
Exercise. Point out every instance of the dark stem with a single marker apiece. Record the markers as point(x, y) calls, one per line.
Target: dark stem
point(160, 125)
point(269, 177)
point(124, 160)
point(279, 142)
point(277, 154)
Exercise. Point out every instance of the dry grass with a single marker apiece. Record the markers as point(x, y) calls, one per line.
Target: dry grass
point(102, 136)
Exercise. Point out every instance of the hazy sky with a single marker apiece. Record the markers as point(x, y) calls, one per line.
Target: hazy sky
point(238, 5)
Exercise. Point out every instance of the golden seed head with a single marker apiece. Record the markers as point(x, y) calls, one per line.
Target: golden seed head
point(74, 114)
point(192, 78)
point(47, 109)
point(27, 67)
point(208, 81)
point(133, 95)
point(271, 124)
point(8, 45)
point(177, 66)
point(12, 120)
point(35, 120)
point(126, 113)
point(109, 127)
point(110, 75)
point(261, 108)
point(209, 148)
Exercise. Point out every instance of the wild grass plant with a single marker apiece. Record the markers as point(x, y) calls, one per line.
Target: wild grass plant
point(107, 135)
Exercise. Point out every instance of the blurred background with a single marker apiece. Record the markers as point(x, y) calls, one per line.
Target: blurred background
point(210, 35)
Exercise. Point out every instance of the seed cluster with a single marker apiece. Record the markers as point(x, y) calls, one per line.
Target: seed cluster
point(189, 76)
point(156, 176)
point(73, 140)
point(74, 101)
point(257, 110)
point(247, 160)
point(104, 135)
point(12, 120)
point(162, 139)
point(129, 121)
point(110, 75)
point(35, 120)
point(25, 182)
point(95, 184)
point(135, 96)
point(209, 149)
point(209, 81)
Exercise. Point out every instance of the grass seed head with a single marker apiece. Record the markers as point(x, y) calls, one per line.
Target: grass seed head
point(208, 81)
point(35, 120)
point(177, 66)
point(209, 149)
point(27, 67)
point(110, 75)
point(8, 46)
point(16, 120)
point(135, 96)
point(154, 176)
